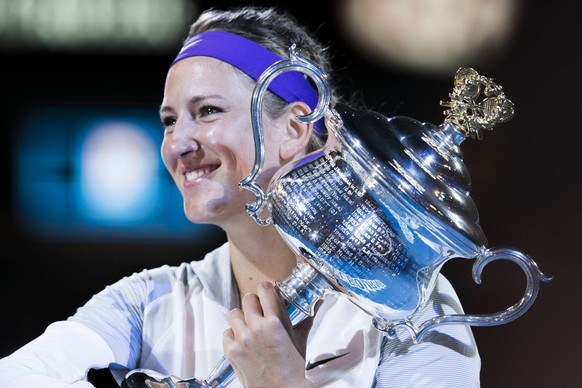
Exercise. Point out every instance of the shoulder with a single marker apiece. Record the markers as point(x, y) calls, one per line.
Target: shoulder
point(185, 272)
point(445, 297)
point(151, 284)
point(446, 356)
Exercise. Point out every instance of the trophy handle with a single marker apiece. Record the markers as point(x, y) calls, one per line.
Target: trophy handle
point(295, 63)
point(533, 276)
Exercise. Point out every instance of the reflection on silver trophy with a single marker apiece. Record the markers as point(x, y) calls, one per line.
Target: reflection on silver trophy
point(381, 208)
point(377, 212)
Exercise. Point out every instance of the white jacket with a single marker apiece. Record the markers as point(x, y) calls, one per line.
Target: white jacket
point(171, 320)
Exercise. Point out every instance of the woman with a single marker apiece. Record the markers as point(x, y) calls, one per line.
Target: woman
point(180, 321)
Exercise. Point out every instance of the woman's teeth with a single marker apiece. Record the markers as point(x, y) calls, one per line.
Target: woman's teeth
point(192, 175)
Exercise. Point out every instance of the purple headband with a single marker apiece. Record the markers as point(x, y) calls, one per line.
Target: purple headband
point(253, 59)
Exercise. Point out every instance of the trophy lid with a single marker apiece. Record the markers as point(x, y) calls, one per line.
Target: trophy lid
point(424, 161)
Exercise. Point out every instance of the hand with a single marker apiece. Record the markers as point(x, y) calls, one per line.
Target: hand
point(261, 345)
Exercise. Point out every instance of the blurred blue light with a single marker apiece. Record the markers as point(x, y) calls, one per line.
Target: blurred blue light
point(96, 173)
point(118, 178)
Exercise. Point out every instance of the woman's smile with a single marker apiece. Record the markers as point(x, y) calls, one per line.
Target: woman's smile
point(198, 173)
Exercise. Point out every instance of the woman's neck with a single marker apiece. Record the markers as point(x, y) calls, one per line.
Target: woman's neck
point(259, 253)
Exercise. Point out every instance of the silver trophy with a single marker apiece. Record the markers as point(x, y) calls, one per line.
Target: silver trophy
point(377, 212)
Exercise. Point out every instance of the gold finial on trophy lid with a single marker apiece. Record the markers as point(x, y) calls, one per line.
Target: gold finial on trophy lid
point(469, 115)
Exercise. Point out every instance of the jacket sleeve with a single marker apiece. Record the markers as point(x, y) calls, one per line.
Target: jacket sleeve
point(106, 329)
point(58, 358)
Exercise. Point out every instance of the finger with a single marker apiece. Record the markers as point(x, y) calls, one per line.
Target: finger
point(271, 302)
point(251, 306)
point(228, 335)
point(237, 320)
point(231, 348)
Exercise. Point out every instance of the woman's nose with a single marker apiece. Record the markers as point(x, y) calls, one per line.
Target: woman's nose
point(183, 141)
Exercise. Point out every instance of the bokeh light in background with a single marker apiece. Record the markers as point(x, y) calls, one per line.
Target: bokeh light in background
point(96, 173)
point(89, 170)
point(118, 172)
point(123, 26)
point(85, 171)
point(434, 36)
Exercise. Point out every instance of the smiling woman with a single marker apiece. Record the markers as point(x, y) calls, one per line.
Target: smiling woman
point(180, 320)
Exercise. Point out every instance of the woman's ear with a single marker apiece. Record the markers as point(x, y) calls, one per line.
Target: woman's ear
point(297, 134)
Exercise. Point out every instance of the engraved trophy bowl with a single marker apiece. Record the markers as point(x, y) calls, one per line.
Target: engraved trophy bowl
point(379, 210)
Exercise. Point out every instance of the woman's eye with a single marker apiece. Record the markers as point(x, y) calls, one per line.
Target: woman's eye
point(168, 121)
point(208, 110)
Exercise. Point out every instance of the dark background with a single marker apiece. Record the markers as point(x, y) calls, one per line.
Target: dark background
point(526, 184)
